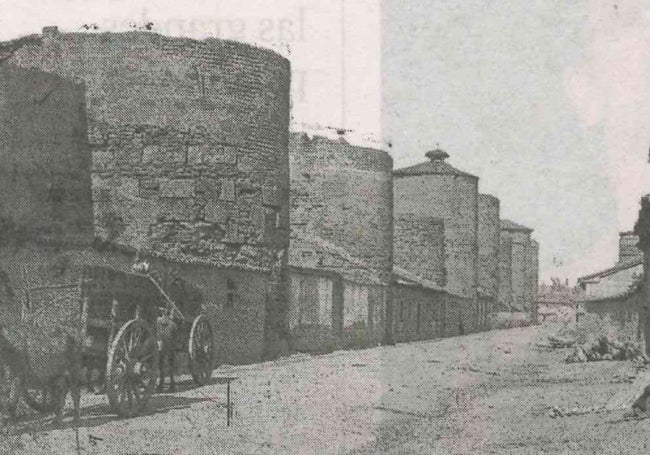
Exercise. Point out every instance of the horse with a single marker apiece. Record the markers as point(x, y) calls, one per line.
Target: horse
point(62, 367)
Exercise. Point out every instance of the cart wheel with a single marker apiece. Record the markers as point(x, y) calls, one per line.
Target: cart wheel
point(201, 350)
point(132, 368)
point(37, 395)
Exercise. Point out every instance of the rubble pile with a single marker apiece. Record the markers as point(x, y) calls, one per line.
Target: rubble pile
point(605, 349)
point(557, 342)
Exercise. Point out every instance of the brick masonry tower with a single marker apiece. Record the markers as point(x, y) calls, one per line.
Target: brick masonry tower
point(437, 189)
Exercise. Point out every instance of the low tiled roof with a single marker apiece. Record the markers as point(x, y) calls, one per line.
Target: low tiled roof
point(507, 225)
point(403, 276)
point(361, 268)
point(612, 270)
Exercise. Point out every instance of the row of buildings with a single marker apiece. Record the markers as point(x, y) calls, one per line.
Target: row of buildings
point(404, 254)
point(180, 150)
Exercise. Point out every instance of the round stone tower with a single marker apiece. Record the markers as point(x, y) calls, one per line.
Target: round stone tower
point(435, 188)
point(189, 140)
point(186, 153)
point(341, 194)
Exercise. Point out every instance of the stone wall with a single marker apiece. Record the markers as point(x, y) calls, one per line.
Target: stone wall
point(44, 162)
point(454, 198)
point(188, 139)
point(519, 270)
point(617, 318)
point(341, 195)
point(420, 246)
point(488, 244)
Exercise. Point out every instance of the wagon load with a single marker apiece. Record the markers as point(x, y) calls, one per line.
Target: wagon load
point(60, 298)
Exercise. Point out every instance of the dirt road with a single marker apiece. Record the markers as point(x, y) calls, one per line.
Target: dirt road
point(484, 393)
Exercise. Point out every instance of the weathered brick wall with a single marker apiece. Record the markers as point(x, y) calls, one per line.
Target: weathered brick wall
point(189, 140)
point(617, 318)
point(453, 198)
point(342, 194)
point(418, 313)
point(505, 271)
point(488, 243)
point(420, 246)
point(44, 162)
point(315, 307)
point(32, 266)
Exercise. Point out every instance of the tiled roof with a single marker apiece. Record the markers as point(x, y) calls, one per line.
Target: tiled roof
point(507, 225)
point(403, 276)
point(360, 268)
point(612, 270)
point(435, 166)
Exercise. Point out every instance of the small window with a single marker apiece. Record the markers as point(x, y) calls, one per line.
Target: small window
point(401, 311)
point(231, 296)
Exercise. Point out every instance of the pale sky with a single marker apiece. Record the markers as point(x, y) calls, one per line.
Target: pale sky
point(547, 102)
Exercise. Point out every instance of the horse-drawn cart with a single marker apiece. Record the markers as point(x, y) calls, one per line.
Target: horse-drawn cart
point(117, 314)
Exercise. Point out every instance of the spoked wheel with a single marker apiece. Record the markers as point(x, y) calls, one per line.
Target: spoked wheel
point(38, 395)
point(201, 350)
point(132, 368)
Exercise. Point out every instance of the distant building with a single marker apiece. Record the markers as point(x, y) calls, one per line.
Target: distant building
point(557, 301)
point(518, 268)
point(435, 189)
point(612, 281)
point(619, 278)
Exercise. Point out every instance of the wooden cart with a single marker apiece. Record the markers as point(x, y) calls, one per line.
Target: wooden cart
point(118, 314)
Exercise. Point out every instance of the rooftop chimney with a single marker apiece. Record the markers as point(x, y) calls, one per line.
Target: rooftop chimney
point(628, 250)
point(437, 155)
point(50, 31)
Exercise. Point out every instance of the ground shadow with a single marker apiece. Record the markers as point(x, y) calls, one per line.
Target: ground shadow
point(99, 414)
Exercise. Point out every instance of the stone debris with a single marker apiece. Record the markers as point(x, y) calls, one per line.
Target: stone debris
point(557, 342)
point(605, 349)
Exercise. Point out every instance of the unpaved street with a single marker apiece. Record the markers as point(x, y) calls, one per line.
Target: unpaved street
point(491, 392)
